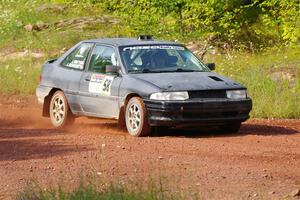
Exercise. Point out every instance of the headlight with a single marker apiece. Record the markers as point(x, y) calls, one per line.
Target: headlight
point(236, 94)
point(170, 96)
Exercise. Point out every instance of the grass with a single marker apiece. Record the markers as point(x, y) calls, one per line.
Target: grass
point(90, 191)
point(20, 76)
point(272, 79)
point(272, 76)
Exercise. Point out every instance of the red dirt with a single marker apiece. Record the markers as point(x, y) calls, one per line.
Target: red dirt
point(262, 161)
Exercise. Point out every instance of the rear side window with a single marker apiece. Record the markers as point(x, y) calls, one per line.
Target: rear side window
point(77, 58)
point(101, 57)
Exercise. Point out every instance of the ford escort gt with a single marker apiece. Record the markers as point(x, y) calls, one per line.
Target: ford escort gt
point(143, 83)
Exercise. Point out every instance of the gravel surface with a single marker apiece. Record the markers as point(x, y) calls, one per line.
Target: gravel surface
point(262, 161)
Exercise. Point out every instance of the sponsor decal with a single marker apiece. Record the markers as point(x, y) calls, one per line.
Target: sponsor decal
point(154, 47)
point(100, 84)
point(77, 64)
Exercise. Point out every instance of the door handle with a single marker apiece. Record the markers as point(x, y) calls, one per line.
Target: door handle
point(87, 78)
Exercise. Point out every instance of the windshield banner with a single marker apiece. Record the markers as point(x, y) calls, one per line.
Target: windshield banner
point(154, 47)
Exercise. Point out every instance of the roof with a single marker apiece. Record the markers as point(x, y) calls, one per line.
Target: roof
point(130, 41)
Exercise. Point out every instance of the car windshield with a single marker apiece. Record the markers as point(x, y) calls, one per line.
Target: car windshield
point(160, 58)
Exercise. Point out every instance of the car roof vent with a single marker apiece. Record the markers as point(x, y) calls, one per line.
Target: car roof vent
point(215, 78)
point(145, 37)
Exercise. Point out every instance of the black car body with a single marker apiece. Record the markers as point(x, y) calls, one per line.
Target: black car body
point(164, 83)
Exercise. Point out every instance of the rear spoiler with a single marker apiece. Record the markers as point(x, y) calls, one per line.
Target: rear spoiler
point(51, 60)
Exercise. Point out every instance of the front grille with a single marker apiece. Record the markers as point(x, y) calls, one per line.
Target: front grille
point(207, 94)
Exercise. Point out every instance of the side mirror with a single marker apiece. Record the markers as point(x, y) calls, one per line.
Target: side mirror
point(211, 66)
point(112, 69)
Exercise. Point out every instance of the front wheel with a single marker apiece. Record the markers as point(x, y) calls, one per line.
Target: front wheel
point(60, 113)
point(136, 118)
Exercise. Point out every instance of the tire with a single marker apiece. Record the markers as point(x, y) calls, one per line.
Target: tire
point(231, 128)
point(136, 118)
point(60, 113)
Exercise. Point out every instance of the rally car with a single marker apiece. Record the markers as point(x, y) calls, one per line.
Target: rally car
point(143, 83)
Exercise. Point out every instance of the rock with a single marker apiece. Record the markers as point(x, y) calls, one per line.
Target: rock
point(265, 176)
point(199, 48)
point(22, 54)
point(271, 192)
point(281, 76)
point(295, 193)
point(99, 173)
point(39, 26)
point(36, 55)
point(28, 27)
point(52, 8)
point(82, 22)
point(160, 157)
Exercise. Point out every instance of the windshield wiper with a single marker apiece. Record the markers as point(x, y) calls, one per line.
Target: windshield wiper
point(147, 70)
point(180, 70)
point(186, 70)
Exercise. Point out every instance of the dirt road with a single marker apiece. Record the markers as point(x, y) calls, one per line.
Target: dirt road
point(262, 161)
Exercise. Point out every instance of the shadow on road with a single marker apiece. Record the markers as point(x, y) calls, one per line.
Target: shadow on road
point(246, 129)
point(111, 127)
point(23, 144)
point(19, 143)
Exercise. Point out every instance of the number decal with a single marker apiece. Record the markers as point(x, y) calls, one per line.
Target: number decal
point(106, 85)
point(100, 84)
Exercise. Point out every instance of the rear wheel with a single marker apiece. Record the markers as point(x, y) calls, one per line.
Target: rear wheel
point(136, 118)
point(60, 113)
point(231, 128)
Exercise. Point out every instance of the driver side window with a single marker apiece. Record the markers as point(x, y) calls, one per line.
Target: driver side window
point(101, 57)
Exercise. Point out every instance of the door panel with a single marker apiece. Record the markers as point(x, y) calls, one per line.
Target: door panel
point(99, 95)
point(98, 92)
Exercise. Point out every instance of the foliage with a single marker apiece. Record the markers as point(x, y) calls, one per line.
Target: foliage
point(247, 22)
point(14, 13)
point(89, 191)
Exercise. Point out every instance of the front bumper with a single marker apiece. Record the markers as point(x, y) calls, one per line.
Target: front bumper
point(197, 111)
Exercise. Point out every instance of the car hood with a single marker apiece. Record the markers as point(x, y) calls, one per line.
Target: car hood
point(188, 81)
